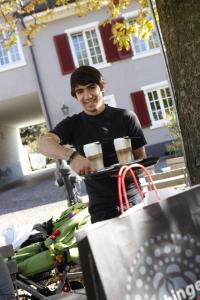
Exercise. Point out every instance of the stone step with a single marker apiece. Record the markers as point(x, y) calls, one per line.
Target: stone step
point(167, 182)
point(169, 174)
point(175, 163)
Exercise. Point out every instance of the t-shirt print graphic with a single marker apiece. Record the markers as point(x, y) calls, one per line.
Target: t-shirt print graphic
point(105, 129)
point(166, 267)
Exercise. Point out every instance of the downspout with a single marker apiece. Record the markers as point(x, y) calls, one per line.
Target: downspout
point(49, 123)
point(48, 119)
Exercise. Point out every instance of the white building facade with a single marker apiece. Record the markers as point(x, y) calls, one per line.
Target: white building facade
point(35, 81)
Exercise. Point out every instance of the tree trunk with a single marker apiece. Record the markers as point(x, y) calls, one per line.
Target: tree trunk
point(180, 26)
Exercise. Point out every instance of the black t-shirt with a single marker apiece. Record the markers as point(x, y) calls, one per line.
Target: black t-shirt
point(81, 129)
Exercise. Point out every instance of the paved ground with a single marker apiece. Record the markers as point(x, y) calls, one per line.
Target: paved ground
point(34, 199)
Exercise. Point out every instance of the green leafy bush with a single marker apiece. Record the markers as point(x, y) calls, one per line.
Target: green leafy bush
point(175, 147)
point(30, 136)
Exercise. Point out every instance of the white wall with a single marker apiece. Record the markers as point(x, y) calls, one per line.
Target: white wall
point(10, 166)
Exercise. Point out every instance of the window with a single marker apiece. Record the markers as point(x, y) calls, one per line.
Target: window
point(86, 45)
point(142, 46)
point(160, 104)
point(10, 58)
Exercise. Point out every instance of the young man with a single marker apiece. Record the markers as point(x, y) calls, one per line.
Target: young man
point(97, 122)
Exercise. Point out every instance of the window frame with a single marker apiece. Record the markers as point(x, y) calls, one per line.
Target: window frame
point(83, 28)
point(11, 64)
point(150, 88)
point(145, 53)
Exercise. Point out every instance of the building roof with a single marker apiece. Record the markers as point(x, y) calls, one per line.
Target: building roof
point(50, 4)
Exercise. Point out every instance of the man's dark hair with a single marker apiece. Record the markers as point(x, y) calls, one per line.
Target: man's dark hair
point(84, 75)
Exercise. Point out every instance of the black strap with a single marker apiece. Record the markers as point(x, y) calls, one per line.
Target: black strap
point(72, 156)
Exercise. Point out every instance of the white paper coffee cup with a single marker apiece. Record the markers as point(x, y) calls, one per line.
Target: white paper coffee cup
point(93, 152)
point(123, 150)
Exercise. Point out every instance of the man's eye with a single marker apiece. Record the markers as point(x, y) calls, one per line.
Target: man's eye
point(78, 92)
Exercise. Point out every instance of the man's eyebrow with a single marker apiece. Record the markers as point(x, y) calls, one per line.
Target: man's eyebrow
point(78, 88)
point(85, 86)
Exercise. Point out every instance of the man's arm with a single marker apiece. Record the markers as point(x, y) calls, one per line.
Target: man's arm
point(49, 145)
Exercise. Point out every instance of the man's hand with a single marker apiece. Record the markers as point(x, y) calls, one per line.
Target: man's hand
point(82, 166)
point(139, 153)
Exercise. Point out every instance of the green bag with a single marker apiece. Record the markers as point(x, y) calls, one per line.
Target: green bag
point(40, 257)
point(38, 263)
point(66, 238)
point(28, 251)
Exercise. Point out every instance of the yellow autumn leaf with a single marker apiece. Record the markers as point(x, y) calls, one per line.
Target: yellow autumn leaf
point(143, 3)
point(11, 41)
point(156, 15)
point(6, 8)
point(133, 29)
point(61, 2)
point(11, 10)
point(115, 12)
point(28, 42)
point(125, 3)
point(150, 24)
point(144, 35)
point(10, 19)
point(127, 45)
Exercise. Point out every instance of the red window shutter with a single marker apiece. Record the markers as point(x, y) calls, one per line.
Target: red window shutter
point(111, 50)
point(123, 54)
point(140, 108)
point(64, 53)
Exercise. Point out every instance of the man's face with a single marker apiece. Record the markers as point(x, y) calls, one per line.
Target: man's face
point(90, 96)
